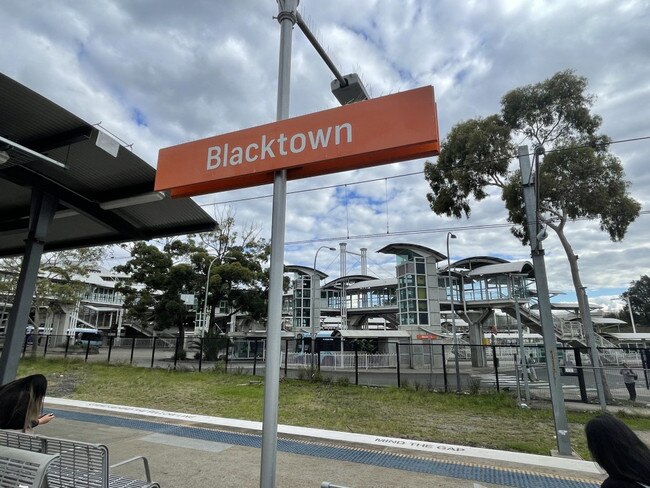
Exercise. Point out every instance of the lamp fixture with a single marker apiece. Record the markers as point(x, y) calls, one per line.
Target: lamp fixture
point(134, 200)
point(352, 91)
point(4, 157)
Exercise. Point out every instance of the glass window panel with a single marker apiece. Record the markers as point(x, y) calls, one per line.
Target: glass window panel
point(422, 305)
point(422, 293)
point(421, 280)
point(419, 267)
point(424, 318)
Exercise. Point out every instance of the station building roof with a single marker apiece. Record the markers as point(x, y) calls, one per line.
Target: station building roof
point(478, 261)
point(304, 270)
point(374, 283)
point(348, 280)
point(505, 268)
point(401, 247)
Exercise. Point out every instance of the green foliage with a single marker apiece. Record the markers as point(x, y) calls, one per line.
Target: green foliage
point(156, 280)
point(475, 155)
point(238, 274)
point(366, 345)
point(404, 413)
point(181, 355)
point(342, 381)
point(214, 345)
point(579, 178)
point(639, 295)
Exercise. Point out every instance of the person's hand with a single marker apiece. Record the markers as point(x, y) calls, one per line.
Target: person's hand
point(44, 419)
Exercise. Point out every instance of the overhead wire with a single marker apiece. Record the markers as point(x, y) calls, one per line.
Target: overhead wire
point(404, 175)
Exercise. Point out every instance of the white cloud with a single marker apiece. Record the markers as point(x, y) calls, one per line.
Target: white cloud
point(158, 73)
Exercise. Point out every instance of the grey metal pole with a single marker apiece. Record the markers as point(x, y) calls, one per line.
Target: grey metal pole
point(522, 349)
point(588, 327)
point(287, 19)
point(546, 316)
point(205, 301)
point(629, 309)
point(42, 211)
point(312, 312)
point(453, 316)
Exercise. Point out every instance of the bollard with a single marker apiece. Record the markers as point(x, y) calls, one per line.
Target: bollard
point(110, 348)
point(153, 351)
point(201, 353)
point(444, 368)
point(399, 379)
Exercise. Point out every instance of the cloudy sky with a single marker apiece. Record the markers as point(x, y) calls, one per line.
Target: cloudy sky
point(159, 73)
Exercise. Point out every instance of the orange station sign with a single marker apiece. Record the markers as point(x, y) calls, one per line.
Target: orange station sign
point(382, 130)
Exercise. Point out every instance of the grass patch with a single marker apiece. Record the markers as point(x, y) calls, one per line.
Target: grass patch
point(488, 420)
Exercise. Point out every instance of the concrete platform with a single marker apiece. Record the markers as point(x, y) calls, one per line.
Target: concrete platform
point(193, 450)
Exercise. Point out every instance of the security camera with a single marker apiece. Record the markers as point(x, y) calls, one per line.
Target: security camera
point(542, 234)
point(539, 150)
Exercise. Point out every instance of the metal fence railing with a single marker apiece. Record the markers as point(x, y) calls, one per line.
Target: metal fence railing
point(431, 365)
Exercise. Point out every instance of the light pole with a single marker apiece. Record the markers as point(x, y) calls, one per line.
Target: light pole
point(453, 318)
point(207, 285)
point(629, 309)
point(205, 301)
point(312, 302)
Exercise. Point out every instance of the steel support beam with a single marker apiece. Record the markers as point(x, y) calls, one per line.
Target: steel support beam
point(42, 210)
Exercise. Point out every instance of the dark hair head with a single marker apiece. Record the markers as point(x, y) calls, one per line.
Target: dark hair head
point(617, 449)
point(21, 401)
point(37, 383)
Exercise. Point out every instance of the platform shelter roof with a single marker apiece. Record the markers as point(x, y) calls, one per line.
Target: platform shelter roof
point(105, 193)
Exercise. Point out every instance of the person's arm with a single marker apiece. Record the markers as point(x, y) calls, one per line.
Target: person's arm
point(43, 419)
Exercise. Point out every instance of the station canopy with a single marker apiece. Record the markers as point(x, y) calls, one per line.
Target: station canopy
point(105, 192)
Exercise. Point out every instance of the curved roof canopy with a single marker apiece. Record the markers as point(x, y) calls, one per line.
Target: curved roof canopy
point(401, 248)
point(375, 283)
point(506, 268)
point(477, 261)
point(104, 192)
point(348, 279)
point(303, 270)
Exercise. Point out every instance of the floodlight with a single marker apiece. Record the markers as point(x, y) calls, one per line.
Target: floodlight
point(352, 91)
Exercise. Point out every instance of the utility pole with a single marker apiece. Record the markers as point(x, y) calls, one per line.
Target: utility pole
point(545, 314)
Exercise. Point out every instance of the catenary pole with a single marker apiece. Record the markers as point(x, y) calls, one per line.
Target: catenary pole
point(546, 317)
point(522, 349)
point(287, 19)
point(453, 314)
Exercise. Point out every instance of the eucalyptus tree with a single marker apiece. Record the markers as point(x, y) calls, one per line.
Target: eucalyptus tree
point(578, 179)
point(638, 297)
